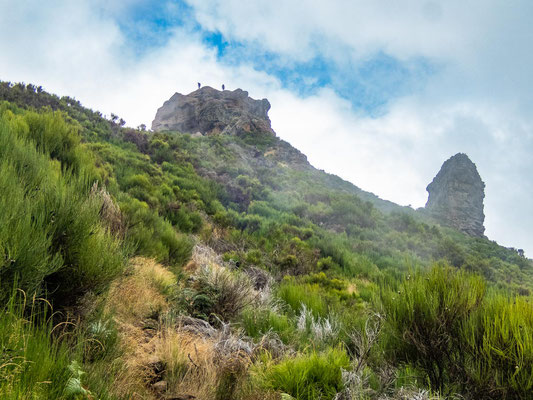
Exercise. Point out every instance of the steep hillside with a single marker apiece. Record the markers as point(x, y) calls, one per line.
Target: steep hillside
point(207, 112)
point(219, 264)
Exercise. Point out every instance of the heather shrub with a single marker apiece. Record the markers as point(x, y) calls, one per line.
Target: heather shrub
point(443, 323)
point(426, 317)
point(310, 376)
point(500, 345)
point(51, 235)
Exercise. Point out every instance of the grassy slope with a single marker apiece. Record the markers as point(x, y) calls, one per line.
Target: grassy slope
point(332, 261)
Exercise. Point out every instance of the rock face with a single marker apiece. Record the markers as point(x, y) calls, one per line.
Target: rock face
point(456, 196)
point(210, 111)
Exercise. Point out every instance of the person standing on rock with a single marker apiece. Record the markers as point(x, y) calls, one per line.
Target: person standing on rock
point(199, 85)
point(223, 87)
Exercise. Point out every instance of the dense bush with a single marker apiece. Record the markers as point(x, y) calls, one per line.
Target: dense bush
point(51, 236)
point(426, 318)
point(154, 236)
point(443, 323)
point(498, 339)
point(310, 376)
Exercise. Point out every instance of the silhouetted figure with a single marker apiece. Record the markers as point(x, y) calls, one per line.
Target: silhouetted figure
point(199, 85)
point(223, 87)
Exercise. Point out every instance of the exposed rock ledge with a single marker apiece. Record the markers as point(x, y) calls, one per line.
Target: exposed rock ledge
point(210, 111)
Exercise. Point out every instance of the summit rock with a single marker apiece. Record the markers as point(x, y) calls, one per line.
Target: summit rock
point(456, 196)
point(210, 112)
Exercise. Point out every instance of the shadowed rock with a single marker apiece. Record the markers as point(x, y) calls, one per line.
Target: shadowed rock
point(456, 196)
point(210, 111)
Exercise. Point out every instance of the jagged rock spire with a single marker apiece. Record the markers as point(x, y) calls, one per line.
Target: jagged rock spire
point(456, 196)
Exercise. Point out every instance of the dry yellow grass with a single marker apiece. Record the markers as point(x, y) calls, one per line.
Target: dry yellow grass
point(270, 153)
point(191, 267)
point(190, 361)
point(155, 274)
point(196, 364)
point(352, 288)
point(199, 366)
point(132, 299)
point(139, 295)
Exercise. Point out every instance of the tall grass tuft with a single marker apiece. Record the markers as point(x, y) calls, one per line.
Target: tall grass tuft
point(297, 294)
point(218, 294)
point(31, 365)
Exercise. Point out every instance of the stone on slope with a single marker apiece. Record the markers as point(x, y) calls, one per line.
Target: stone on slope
point(210, 111)
point(456, 196)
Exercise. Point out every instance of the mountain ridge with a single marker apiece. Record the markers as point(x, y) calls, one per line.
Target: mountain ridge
point(243, 117)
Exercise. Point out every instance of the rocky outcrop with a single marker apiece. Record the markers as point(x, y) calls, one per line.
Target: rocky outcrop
point(210, 111)
point(456, 196)
point(207, 111)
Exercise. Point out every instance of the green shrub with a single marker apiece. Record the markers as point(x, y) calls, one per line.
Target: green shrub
point(443, 324)
point(139, 180)
point(54, 137)
point(326, 263)
point(25, 236)
point(51, 234)
point(185, 220)
point(257, 323)
point(500, 344)
point(426, 317)
point(311, 376)
point(296, 294)
point(154, 236)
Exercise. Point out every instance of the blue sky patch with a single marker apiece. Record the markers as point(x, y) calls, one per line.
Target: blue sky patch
point(149, 24)
point(369, 85)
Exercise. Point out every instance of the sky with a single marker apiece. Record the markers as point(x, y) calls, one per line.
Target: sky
point(379, 92)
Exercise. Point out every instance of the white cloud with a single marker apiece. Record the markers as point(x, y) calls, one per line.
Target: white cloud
point(49, 41)
point(403, 29)
point(478, 103)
